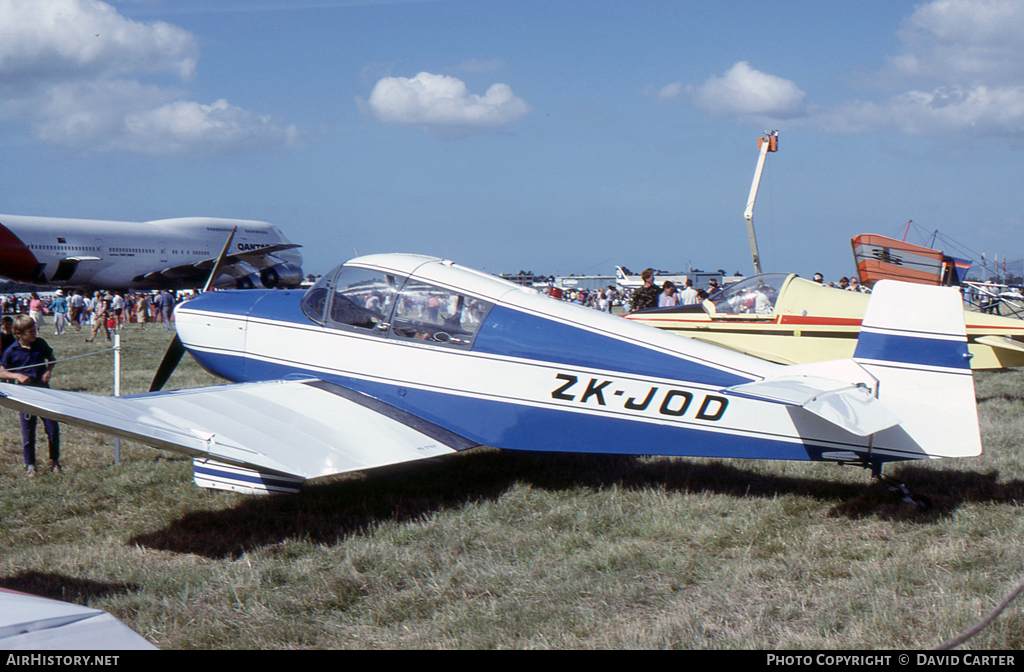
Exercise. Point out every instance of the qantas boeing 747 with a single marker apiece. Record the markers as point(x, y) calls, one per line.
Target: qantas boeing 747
point(166, 253)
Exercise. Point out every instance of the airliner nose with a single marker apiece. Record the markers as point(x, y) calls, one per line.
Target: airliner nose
point(16, 261)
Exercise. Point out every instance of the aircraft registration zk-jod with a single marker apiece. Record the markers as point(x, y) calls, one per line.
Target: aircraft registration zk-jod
point(396, 357)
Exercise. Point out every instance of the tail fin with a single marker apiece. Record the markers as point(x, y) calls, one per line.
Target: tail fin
point(913, 341)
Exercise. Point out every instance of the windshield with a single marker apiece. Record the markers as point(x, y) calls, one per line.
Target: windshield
point(754, 295)
point(391, 306)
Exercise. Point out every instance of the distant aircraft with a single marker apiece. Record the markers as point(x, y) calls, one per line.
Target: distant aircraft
point(624, 279)
point(789, 320)
point(166, 253)
point(394, 358)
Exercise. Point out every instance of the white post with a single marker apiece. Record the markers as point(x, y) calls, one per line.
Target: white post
point(117, 386)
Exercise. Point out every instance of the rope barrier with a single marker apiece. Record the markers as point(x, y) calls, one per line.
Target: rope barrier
point(982, 624)
point(66, 359)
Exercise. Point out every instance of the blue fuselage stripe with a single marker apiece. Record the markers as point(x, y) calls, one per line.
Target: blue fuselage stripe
point(513, 333)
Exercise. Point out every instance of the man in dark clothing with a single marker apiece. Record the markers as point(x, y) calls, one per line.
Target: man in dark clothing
point(646, 296)
point(166, 303)
point(29, 361)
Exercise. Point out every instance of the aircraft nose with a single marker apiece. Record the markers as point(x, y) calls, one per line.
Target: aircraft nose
point(16, 261)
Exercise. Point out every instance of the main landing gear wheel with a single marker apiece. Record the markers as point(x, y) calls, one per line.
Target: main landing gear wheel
point(922, 502)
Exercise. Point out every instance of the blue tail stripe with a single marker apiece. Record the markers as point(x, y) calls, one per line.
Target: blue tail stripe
point(912, 350)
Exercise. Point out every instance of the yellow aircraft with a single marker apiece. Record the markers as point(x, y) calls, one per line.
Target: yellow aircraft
point(789, 320)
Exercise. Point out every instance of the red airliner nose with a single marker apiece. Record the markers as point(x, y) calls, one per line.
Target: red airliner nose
point(16, 261)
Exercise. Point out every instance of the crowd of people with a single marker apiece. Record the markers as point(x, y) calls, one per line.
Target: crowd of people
point(650, 295)
point(851, 284)
point(604, 299)
point(27, 359)
point(666, 294)
point(95, 311)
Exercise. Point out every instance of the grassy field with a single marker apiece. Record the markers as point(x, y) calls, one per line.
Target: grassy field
point(493, 549)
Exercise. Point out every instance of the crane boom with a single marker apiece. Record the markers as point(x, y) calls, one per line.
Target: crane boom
point(768, 143)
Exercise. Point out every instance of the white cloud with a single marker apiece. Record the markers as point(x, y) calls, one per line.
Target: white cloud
point(442, 105)
point(67, 40)
point(68, 68)
point(960, 41)
point(182, 126)
point(960, 73)
point(749, 92)
point(669, 91)
point(85, 115)
point(979, 111)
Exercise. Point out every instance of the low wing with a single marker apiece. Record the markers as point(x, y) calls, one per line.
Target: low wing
point(40, 624)
point(294, 428)
point(851, 406)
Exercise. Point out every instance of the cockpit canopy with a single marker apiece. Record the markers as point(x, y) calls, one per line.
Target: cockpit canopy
point(389, 305)
point(754, 295)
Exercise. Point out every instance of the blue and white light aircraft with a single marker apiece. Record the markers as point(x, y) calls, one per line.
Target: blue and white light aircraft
point(393, 358)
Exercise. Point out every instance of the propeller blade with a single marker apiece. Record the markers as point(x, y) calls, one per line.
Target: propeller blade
point(167, 365)
point(220, 259)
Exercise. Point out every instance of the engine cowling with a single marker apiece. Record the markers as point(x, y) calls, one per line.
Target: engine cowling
point(281, 275)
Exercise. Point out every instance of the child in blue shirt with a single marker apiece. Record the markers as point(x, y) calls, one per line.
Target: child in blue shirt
point(29, 361)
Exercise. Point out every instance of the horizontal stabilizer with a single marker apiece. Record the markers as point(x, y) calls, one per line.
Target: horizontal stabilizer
point(299, 428)
point(1004, 342)
point(850, 406)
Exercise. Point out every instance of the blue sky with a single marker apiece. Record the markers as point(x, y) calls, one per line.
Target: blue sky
point(560, 137)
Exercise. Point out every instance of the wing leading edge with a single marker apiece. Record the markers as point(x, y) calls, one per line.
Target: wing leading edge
point(286, 431)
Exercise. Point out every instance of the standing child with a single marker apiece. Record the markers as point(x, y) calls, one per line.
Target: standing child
point(32, 360)
point(6, 333)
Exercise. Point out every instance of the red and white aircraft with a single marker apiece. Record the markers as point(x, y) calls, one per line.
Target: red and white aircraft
point(171, 253)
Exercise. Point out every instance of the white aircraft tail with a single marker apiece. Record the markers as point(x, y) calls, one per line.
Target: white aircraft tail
point(913, 341)
point(909, 384)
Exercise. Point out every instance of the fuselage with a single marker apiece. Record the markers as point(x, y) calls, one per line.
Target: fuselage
point(507, 367)
point(128, 255)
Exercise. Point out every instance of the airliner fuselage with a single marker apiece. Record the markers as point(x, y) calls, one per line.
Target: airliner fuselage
point(173, 253)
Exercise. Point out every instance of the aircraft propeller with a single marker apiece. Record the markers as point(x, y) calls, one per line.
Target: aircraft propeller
point(176, 348)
